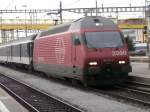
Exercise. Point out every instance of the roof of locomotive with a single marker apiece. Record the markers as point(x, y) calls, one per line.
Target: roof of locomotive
point(95, 22)
point(82, 23)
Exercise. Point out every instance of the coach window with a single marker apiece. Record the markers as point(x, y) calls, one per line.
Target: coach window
point(76, 39)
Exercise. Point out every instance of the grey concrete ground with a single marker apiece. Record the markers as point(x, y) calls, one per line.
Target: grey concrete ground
point(8, 104)
point(140, 69)
point(139, 59)
point(86, 100)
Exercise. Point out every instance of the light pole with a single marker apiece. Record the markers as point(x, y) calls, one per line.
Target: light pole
point(17, 35)
point(25, 6)
point(147, 16)
point(60, 5)
point(1, 27)
point(130, 3)
point(96, 7)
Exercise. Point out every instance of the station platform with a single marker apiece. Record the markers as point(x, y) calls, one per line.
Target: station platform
point(9, 104)
point(140, 72)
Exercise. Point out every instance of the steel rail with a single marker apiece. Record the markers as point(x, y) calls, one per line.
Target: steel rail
point(38, 104)
point(119, 92)
point(18, 98)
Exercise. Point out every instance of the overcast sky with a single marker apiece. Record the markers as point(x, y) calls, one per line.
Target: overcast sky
point(51, 4)
point(54, 4)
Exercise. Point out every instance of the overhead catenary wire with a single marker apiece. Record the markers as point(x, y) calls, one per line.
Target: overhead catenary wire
point(72, 3)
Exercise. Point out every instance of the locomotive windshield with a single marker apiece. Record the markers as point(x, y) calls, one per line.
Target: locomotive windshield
point(103, 39)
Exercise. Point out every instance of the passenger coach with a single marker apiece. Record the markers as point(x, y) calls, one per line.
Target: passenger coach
point(18, 52)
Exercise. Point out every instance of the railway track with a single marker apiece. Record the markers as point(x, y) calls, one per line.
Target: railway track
point(33, 99)
point(139, 92)
point(136, 95)
point(131, 92)
point(138, 86)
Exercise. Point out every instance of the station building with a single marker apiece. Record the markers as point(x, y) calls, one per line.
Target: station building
point(134, 28)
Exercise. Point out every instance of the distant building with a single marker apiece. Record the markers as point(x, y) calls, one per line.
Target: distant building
point(134, 29)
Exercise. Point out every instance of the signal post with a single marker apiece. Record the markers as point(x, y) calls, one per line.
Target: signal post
point(148, 32)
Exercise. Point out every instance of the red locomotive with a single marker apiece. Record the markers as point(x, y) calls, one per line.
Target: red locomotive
point(91, 50)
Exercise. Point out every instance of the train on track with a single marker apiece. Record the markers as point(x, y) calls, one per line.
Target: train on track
point(90, 49)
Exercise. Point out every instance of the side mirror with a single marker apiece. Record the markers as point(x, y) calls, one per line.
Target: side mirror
point(126, 38)
point(77, 41)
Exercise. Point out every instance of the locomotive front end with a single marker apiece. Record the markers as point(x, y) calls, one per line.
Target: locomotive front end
point(107, 59)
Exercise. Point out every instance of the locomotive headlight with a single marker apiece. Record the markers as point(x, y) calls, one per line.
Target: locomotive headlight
point(122, 62)
point(93, 63)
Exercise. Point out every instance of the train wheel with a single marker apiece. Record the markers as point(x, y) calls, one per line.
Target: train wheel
point(85, 84)
point(67, 79)
point(74, 82)
point(30, 69)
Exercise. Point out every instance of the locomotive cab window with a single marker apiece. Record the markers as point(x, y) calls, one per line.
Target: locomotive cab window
point(76, 39)
point(103, 39)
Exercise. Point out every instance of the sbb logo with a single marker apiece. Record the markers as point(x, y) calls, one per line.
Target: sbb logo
point(119, 53)
point(60, 50)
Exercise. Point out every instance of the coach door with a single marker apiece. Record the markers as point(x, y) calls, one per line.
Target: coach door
point(9, 53)
point(75, 51)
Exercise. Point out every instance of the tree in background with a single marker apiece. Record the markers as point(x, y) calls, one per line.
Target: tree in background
point(130, 43)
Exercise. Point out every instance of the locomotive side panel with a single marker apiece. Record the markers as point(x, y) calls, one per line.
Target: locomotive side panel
point(52, 55)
